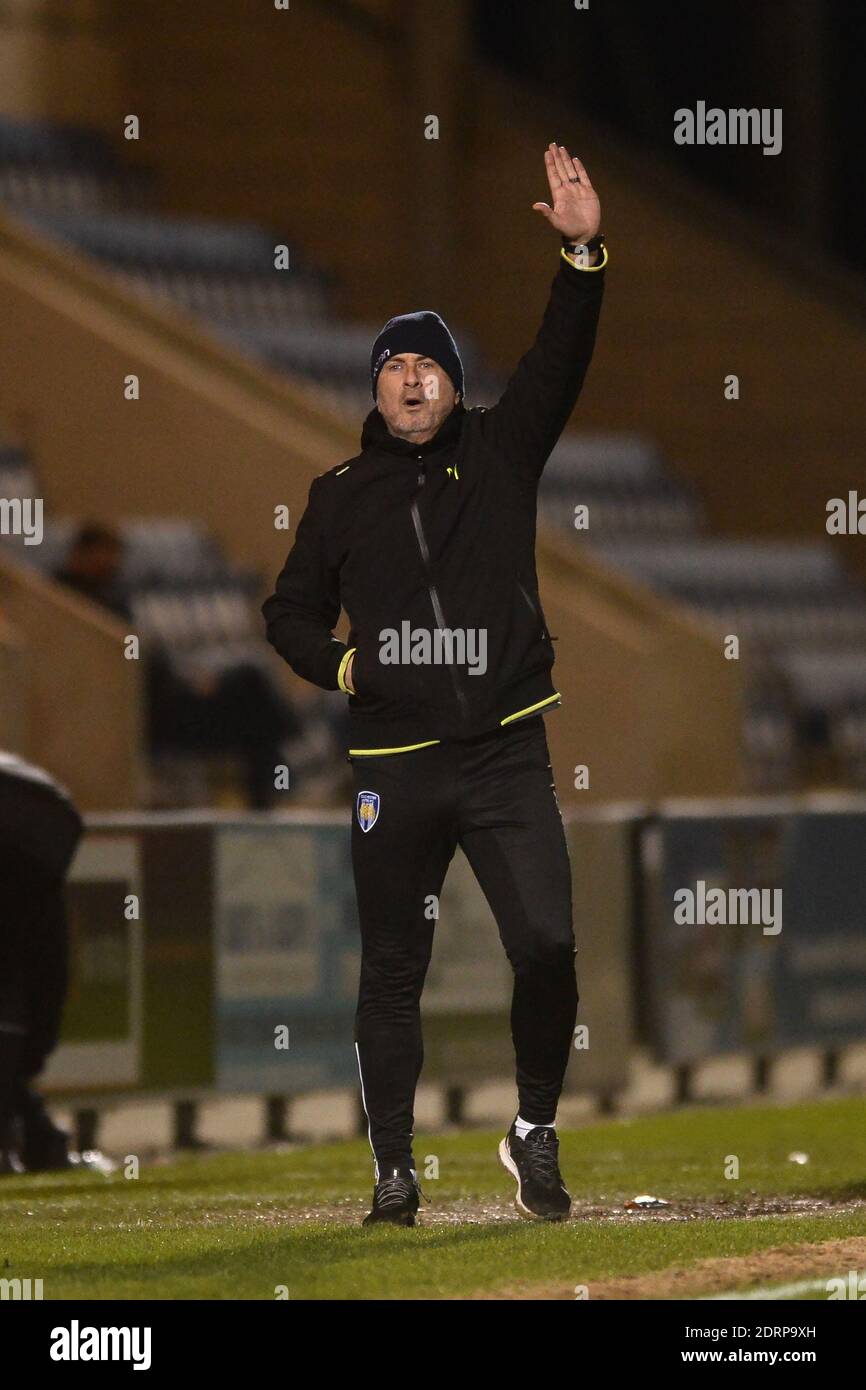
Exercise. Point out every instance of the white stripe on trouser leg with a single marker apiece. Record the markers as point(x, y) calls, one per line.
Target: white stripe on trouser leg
point(367, 1113)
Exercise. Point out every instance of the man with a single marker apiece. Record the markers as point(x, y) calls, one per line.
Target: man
point(39, 832)
point(427, 538)
point(193, 710)
point(93, 567)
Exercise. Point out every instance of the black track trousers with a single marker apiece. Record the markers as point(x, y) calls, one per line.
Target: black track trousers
point(493, 795)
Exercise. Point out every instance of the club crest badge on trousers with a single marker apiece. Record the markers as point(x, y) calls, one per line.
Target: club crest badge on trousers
point(368, 810)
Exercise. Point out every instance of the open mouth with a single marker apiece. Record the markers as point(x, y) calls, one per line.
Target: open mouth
point(412, 401)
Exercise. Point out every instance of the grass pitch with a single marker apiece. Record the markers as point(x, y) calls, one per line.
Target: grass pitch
point(260, 1225)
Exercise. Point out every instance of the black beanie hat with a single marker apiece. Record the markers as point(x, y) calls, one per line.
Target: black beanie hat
point(423, 332)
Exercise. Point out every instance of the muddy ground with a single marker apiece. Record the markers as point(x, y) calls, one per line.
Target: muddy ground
point(468, 1212)
point(785, 1264)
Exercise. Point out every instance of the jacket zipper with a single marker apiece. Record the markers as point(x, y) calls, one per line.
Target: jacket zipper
point(432, 591)
point(532, 608)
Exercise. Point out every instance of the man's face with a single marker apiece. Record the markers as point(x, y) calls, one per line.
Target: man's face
point(414, 396)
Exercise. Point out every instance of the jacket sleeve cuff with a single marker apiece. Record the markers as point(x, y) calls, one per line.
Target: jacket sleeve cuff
point(586, 269)
point(341, 671)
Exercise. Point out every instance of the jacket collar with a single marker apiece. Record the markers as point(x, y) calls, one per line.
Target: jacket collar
point(376, 435)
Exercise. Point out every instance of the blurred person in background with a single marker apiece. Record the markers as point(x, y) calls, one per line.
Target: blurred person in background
point(192, 710)
point(93, 568)
point(431, 528)
point(39, 832)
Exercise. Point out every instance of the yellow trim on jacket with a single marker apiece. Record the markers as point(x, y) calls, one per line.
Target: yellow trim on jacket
point(341, 671)
point(410, 747)
point(577, 266)
point(531, 708)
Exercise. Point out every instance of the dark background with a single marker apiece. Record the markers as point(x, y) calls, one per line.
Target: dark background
point(630, 65)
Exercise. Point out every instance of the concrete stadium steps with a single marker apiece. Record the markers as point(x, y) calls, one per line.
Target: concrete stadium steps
point(221, 271)
point(701, 569)
point(252, 299)
point(623, 482)
point(51, 144)
point(660, 509)
point(608, 457)
point(183, 593)
point(51, 168)
point(210, 615)
point(824, 677)
point(156, 242)
point(39, 191)
point(802, 623)
point(157, 551)
point(838, 618)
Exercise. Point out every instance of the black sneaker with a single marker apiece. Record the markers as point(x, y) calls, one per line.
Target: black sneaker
point(395, 1197)
point(534, 1162)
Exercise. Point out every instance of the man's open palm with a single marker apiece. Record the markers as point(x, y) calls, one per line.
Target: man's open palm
point(576, 212)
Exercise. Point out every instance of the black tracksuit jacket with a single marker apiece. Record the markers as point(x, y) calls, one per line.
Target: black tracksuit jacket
point(439, 535)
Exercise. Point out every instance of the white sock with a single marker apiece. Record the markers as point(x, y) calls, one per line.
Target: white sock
point(522, 1127)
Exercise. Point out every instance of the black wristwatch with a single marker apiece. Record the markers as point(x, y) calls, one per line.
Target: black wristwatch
point(595, 243)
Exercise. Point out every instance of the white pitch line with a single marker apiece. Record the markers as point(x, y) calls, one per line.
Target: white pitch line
point(769, 1292)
